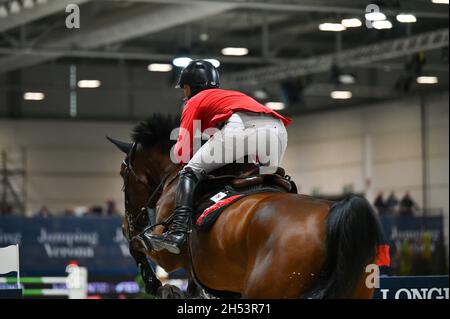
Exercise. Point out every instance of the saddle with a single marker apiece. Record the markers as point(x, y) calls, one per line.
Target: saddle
point(230, 183)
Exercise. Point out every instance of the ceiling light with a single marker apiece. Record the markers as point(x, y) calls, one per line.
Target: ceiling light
point(375, 16)
point(334, 27)
point(406, 18)
point(351, 23)
point(380, 25)
point(214, 62)
point(33, 96)
point(28, 4)
point(275, 105)
point(3, 12)
point(440, 1)
point(160, 67)
point(181, 62)
point(89, 84)
point(260, 94)
point(204, 37)
point(341, 95)
point(15, 7)
point(346, 78)
point(235, 51)
point(427, 80)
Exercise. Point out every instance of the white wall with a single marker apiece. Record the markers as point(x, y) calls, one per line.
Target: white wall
point(68, 163)
point(438, 159)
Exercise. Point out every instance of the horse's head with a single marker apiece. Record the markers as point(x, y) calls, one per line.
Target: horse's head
point(144, 170)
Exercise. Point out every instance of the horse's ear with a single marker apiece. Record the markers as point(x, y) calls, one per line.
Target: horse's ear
point(123, 146)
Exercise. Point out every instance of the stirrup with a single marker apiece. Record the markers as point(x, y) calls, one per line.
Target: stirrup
point(161, 242)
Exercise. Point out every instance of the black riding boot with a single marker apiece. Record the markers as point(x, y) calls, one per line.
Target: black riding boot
point(173, 239)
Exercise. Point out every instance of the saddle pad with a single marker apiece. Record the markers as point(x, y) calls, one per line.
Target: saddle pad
point(210, 214)
point(208, 211)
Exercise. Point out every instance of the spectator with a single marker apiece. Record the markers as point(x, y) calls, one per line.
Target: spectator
point(69, 212)
point(407, 206)
point(7, 210)
point(391, 204)
point(80, 211)
point(380, 204)
point(96, 210)
point(111, 208)
point(44, 212)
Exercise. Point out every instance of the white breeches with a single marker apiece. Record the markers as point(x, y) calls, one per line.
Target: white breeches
point(260, 137)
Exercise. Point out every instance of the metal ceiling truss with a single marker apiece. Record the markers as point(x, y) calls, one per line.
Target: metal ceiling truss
point(36, 13)
point(121, 26)
point(324, 7)
point(353, 57)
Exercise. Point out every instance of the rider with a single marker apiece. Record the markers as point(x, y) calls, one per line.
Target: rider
point(240, 118)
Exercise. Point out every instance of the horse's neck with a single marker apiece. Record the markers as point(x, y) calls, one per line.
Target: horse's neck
point(166, 202)
point(171, 174)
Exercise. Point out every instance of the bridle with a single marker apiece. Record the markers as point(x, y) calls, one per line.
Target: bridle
point(141, 220)
point(147, 213)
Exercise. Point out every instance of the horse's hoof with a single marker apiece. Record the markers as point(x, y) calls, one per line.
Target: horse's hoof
point(169, 292)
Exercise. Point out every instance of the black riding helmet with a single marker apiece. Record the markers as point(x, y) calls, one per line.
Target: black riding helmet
point(199, 75)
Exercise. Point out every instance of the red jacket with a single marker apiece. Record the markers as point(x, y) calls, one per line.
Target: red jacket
point(211, 107)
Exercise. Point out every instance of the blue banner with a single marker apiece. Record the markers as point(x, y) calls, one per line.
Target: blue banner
point(416, 245)
point(422, 287)
point(47, 245)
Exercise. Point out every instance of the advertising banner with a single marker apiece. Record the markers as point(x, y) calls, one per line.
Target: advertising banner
point(47, 245)
point(420, 287)
point(416, 245)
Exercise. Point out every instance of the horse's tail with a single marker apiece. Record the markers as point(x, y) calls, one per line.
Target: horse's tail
point(353, 233)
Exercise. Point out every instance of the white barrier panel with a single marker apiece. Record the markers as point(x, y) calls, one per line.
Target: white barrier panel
point(76, 284)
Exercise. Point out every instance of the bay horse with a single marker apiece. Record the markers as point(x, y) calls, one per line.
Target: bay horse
point(266, 245)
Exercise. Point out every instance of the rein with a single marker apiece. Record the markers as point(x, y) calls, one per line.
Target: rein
point(147, 212)
point(141, 220)
point(150, 216)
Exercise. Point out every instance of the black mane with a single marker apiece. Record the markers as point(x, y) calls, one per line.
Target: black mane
point(156, 130)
